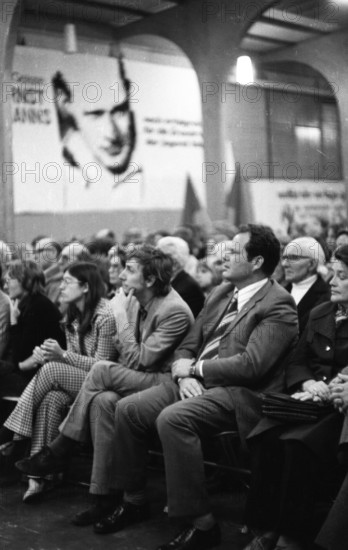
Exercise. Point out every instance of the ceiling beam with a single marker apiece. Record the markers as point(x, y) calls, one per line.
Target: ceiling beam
point(291, 26)
point(269, 40)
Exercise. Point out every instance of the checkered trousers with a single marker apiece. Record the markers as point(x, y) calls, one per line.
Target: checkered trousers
point(43, 404)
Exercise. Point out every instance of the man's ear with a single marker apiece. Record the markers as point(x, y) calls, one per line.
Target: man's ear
point(257, 262)
point(313, 266)
point(150, 281)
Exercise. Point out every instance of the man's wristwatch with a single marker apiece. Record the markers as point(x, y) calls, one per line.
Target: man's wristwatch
point(192, 372)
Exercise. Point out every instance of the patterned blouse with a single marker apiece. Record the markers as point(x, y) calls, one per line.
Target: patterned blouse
point(98, 342)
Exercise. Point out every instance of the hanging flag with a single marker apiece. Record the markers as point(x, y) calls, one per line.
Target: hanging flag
point(238, 200)
point(194, 212)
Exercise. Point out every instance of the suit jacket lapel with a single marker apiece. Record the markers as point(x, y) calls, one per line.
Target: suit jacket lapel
point(249, 305)
point(219, 310)
point(148, 320)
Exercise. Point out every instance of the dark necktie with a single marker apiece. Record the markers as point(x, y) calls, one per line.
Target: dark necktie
point(211, 347)
point(142, 313)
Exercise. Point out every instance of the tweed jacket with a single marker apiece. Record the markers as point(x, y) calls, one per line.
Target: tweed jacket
point(255, 343)
point(98, 342)
point(168, 319)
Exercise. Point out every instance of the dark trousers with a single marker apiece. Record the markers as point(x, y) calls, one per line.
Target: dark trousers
point(181, 425)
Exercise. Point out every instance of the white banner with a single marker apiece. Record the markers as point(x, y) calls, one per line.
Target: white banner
point(92, 134)
point(280, 203)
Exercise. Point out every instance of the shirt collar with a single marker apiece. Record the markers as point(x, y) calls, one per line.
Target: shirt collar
point(306, 283)
point(246, 293)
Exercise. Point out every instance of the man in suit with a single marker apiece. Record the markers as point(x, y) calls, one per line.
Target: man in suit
point(300, 260)
point(182, 282)
point(233, 352)
point(152, 320)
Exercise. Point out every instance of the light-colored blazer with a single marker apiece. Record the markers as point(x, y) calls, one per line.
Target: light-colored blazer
point(167, 322)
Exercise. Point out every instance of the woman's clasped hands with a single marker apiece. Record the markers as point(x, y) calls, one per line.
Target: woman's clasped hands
point(50, 350)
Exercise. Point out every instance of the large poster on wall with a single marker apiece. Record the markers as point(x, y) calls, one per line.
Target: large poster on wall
point(95, 133)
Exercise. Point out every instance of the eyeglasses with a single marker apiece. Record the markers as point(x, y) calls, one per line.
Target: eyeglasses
point(294, 258)
point(67, 282)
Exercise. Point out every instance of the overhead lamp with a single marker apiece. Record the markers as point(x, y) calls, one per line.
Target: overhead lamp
point(244, 70)
point(70, 40)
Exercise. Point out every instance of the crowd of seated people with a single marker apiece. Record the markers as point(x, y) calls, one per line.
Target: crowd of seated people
point(198, 328)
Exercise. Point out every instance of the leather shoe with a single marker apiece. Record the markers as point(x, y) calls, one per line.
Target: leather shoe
point(96, 512)
point(192, 538)
point(267, 541)
point(41, 464)
point(125, 514)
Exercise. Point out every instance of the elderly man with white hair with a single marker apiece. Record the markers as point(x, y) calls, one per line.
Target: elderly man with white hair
point(182, 282)
point(300, 260)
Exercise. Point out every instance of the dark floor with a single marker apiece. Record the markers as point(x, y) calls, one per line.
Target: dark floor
point(45, 525)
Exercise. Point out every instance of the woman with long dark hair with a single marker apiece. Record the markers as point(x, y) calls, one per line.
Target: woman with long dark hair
point(90, 329)
point(34, 319)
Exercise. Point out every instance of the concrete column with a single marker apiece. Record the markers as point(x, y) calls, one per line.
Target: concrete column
point(9, 19)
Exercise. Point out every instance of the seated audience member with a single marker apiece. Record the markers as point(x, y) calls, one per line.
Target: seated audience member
point(300, 261)
point(34, 318)
point(90, 330)
point(5, 310)
point(233, 352)
point(186, 233)
point(207, 276)
point(99, 248)
point(106, 234)
point(73, 252)
point(117, 263)
point(295, 465)
point(152, 320)
point(132, 236)
point(182, 282)
point(342, 237)
point(153, 237)
point(46, 256)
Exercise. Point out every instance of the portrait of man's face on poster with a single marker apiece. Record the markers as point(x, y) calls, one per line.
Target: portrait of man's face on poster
point(96, 123)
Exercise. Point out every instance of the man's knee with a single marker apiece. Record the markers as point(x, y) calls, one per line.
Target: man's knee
point(99, 375)
point(169, 417)
point(103, 403)
point(131, 411)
